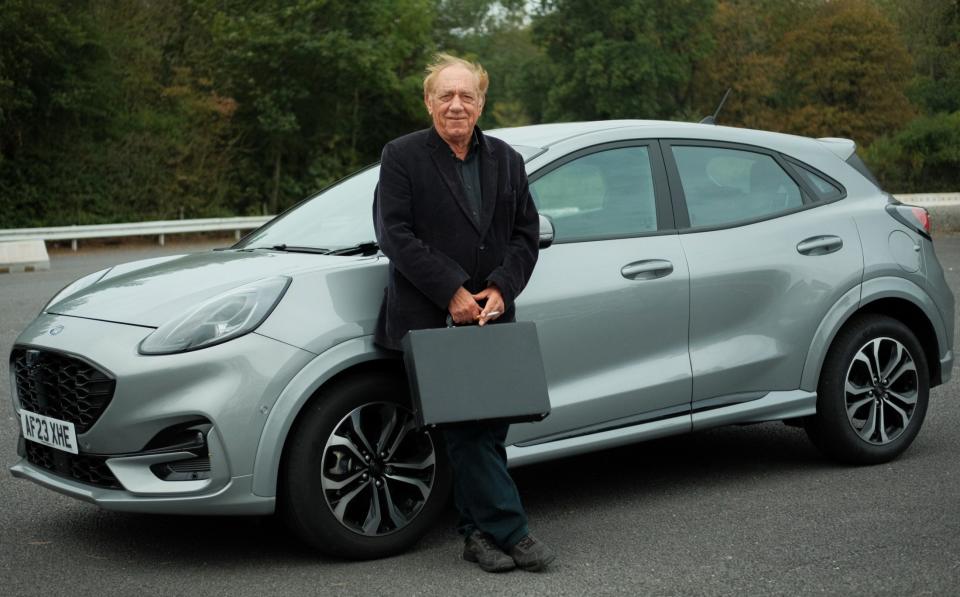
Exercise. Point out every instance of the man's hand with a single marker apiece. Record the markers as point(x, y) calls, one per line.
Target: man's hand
point(463, 307)
point(494, 306)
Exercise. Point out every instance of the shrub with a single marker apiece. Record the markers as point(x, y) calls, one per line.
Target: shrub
point(923, 157)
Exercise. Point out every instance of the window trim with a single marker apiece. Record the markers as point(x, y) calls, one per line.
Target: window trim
point(661, 187)
point(795, 163)
point(857, 163)
point(680, 201)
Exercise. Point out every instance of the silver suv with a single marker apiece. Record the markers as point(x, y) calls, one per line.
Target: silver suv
point(690, 276)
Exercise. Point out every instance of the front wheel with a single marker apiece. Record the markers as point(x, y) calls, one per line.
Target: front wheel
point(873, 392)
point(359, 479)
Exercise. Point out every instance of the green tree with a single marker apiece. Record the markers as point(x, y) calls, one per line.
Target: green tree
point(497, 34)
point(49, 60)
point(320, 85)
point(931, 31)
point(170, 146)
point(622, 59)
point(117, 126)
point(47, 57)
point(460, 20)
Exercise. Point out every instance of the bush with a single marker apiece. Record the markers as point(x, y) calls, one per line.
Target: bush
point(923, 157)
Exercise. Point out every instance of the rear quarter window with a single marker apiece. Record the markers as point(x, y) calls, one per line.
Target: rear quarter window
point(823, 189)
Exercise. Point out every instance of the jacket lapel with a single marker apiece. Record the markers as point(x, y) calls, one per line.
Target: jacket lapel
point(448, 172)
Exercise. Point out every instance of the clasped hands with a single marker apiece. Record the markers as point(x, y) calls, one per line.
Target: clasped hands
point(465, 308)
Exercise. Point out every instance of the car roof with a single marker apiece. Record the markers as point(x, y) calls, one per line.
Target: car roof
point(804, 148)
point(544, 135)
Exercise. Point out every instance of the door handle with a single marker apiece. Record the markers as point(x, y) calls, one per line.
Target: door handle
point(648, 269)
point(819, 245)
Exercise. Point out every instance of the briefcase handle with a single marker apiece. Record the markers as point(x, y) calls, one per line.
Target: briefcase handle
point(450, 323)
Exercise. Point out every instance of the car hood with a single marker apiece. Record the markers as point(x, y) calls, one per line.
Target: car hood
point(151, 292)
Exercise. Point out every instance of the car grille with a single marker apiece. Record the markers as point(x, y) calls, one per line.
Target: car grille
point(194, 465)
point(193, 469)
point(59, 386)
point(92, 470)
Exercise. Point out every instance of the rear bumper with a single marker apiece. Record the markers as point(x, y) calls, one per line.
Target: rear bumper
point(946, 367)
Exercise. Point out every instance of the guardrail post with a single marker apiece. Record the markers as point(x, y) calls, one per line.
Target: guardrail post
point(73, 245)
point(161, 239)
point(236, 235)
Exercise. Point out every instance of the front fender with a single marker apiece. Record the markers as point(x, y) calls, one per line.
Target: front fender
point(850, 303)
point(303, 385)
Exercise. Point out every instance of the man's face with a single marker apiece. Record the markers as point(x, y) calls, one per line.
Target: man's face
point(455, 103)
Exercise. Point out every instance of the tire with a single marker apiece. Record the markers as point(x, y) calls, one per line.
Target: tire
point(346, 506)
point(872, 419)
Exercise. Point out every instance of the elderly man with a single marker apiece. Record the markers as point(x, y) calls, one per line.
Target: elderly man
point(453, 213)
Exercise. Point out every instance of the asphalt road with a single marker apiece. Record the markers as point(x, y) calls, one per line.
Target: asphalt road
point(736, 511)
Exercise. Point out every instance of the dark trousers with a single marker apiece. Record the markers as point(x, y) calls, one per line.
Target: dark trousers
point(483, 490)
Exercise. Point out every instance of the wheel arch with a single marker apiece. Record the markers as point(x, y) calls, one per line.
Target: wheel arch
point(348, 358)
point(914, 318)
point(894, 297)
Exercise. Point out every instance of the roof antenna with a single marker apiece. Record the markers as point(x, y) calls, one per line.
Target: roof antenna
point(713, 119)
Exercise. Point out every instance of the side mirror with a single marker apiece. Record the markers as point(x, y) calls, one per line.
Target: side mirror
point(546, 231)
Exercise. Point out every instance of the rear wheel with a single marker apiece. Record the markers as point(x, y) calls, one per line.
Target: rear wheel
point(359, 480)
point(873, 392)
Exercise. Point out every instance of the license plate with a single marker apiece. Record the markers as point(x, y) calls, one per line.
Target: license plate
point(48, 431)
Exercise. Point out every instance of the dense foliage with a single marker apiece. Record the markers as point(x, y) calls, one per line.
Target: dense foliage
point(126, 110)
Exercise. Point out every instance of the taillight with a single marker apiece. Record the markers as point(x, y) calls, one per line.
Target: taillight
point(923, 216)
point(911, 216)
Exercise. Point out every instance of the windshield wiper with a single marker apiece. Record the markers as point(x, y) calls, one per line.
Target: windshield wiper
point(365, 248)
point(296, 249)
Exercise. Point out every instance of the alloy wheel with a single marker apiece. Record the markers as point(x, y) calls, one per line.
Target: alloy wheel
point(881, 390)
point(377, 469)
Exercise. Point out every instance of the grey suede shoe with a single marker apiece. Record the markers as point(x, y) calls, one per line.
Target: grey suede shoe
point(531, 554)
point(480, 548)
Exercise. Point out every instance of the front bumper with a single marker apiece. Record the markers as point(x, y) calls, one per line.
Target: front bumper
point(234, 497)
point(230, 388)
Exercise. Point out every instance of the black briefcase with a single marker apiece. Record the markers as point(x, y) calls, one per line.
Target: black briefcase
point(471, 373)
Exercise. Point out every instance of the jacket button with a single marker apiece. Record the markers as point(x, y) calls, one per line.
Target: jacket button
point(482, 247)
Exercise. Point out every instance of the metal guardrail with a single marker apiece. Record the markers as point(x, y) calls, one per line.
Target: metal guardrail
point(159, 228)
point(923, 199)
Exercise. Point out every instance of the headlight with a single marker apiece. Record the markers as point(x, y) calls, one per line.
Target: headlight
point(224, 317)
point(76, 286)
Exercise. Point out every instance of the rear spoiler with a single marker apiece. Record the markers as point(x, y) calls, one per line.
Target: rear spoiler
point(844, 148)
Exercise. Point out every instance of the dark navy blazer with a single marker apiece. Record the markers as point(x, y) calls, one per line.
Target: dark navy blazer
point(424, 224)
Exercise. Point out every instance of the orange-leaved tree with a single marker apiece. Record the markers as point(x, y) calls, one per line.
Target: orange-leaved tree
point(845, 72)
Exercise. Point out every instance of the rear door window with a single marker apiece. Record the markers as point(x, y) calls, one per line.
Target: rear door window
point(723, 186)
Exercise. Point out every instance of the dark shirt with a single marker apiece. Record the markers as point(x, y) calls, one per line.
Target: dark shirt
point(469, 171)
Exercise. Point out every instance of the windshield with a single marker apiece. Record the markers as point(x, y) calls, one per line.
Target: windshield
point(339, 216)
